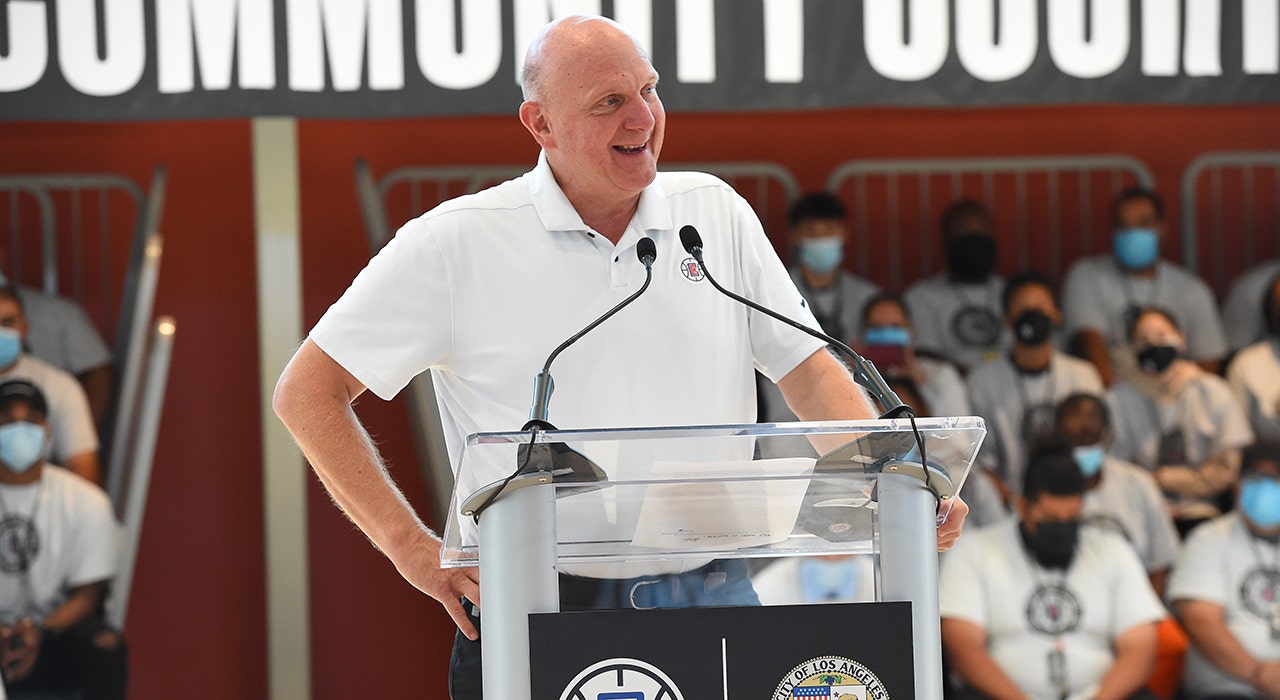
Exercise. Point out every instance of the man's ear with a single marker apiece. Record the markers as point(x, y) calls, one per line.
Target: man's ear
point(535, 120)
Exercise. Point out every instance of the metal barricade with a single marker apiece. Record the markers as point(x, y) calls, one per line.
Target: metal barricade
point(1230, 213)
point(407, 192)
point(1053, 208)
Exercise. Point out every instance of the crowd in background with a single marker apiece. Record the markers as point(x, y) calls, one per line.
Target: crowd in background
point(1130, 457)
point(58, 530)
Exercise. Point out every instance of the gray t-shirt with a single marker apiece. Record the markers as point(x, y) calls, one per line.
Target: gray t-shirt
point(1242, 311)
point(1205, 416)
point(963, 323)
point(838, 307)
point(1254, 375)
point(62, 334)
point(1099, 296)
point(1019, 406)
point(1128, 502)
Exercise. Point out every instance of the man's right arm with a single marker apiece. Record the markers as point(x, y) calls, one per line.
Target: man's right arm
point(313, 399)
point(1207, 628)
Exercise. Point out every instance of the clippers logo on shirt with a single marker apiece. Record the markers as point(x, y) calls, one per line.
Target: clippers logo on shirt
point(1053, 610)
point(1260, 591)
point(621, 679)
point(976, 327)
point(691, 269)
point(19, 544)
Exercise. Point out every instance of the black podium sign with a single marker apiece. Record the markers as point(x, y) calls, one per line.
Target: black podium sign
point(850, 651)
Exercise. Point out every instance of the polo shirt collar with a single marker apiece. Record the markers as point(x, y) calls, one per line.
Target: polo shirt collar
point(558, 214)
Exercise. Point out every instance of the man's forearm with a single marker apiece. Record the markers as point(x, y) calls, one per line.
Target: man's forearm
point(984, 675)
point(1128, 673)
point(81, 603)
point(1208, 631)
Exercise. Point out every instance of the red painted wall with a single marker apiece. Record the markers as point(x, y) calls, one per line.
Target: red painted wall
point(196, 623)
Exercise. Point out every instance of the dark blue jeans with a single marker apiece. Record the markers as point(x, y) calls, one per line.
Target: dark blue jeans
point(720, 583)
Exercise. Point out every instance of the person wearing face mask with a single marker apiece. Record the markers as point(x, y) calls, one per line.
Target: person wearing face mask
point(957, 312)
point(75, 439)
point(1038, 606)
point(1102, 293)
point(62, 335)
point(1119, 496)
point(1240, 310)
point(1226, 590)
point(838, 578)
point(1254, 373)
point(60, 551)
point(887, 341)
point(1017, 392)
point(817, 235)
point(1179, 421)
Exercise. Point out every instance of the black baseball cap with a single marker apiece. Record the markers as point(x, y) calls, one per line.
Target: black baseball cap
point(19, 390)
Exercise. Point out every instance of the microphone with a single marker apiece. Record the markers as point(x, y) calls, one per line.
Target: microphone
point(543, 384)
point(864, 372)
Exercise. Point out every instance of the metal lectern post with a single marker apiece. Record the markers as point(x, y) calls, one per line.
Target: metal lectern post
point(909, 569)
point(518, 576)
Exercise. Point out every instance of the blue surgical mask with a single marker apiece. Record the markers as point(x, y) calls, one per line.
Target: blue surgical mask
point(822, 255)
point(22, 445)
point(887, 335)
point(10, 346)
point(1260, 501)
point(1136, 248)
point(1089, 459)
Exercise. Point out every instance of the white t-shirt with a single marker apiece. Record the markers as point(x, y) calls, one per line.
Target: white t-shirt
point(1205, 413)
point(990, 580)
point(1225, 565)
point(1242, 311)
point(75, 542)
point(1099, 296)
point(1254, 375)
point(1019, 406)
point(62, 334)
point(838, 307)
point(960, 322)
point(944, 388)
point(70, 420)
point(482, 288)
point(1128, 502)
point(782, 582)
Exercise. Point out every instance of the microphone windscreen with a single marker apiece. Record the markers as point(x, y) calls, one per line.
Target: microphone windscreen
point(690, 239)
point(646, 248)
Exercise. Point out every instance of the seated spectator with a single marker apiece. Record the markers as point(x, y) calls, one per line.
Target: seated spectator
point(1224, 590)
point(887, 342)
point(817, 237)
point(1254, 374)
point(1179, 421)
point(838, 578)
point(1038, 606)
point(75, 439)
point(1018, 392)
point(1103, 293)
point(62, 335)
point(1240, 311)
point(59, 554)
point(1119, 496)
point(957, 312)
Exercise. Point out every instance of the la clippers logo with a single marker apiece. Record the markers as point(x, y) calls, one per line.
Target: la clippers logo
point(692, 270)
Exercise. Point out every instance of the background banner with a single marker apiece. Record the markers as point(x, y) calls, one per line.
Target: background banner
point(175, 59)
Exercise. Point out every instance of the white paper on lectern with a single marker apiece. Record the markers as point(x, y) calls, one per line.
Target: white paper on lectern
point(723, 514)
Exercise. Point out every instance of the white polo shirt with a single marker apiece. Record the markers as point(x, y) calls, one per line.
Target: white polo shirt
point(482, 288)
point(74, 542)
point(1098, 295)
point(989, 579)
point(1019, 406)
point(1254, 375)
point(1225, 565)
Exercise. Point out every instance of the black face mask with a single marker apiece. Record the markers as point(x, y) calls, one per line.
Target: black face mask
point(1155, 359)
point(1053, 544)
point(971, 256)
point(1032, 327)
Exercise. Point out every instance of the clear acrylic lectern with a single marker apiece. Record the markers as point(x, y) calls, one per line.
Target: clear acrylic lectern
point(620, 503)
